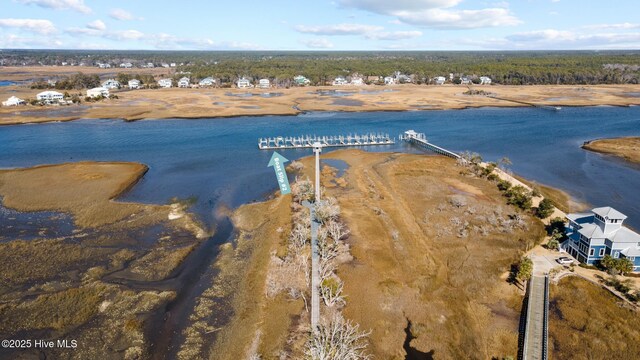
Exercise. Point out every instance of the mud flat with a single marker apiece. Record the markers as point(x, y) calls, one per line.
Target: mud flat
point(431, 247)
point(627, 148)
point(100, 284)
point(205, 102)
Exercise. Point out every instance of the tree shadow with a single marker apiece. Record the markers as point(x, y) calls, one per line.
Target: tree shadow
point(413, 353)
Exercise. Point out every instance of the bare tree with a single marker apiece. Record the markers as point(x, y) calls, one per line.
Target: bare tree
point(338, 340)
point(337, 230)
point(327, 210)
point(331, 291)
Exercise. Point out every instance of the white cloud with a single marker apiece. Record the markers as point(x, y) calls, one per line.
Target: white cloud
point(393, 35)
point(124, 35)
point(97, 25)
point(459, 19)
point(548, 34)
point(317, 43)
point(39, 26)
point(386, 6)
point(570, 40)
point(13, 41)
point(438, 14)
point(338, 29)
point(123, 15)
point(77, 5)
point(620, 26)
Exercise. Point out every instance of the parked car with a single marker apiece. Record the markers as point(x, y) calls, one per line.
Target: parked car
point(564, 260)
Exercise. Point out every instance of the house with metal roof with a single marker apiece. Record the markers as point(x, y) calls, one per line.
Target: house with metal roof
point(597, 233)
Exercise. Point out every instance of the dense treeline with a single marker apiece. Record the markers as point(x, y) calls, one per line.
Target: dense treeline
point(74, 82)
point(510, 69)
point(521, 67)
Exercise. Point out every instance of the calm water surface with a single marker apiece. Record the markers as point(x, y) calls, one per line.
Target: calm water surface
point(217, 161)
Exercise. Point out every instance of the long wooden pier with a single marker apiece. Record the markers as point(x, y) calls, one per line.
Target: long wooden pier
point(299, 142)
point(421, 140)
point(536, 320)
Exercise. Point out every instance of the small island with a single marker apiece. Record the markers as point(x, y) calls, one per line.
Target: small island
point(627, 148)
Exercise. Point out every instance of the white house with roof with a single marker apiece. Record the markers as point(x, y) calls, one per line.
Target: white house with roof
point(13, 101)
point(301, 80)
point(165, 83)
point(184, 82)
point(134, 84)
point(50, 96)
point(440, 80)
point(97, 92)
point(389, 80)
point(126, 65)
point(597, 233)
point(485, 80)
point(244, 83)
point(264, 84)
point(465, 81)
point(111, 84)
point(357, 81)
point(401, 78)
point(340, 81)
point(209, 81)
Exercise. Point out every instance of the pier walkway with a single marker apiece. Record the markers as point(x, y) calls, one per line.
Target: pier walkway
point(299, 142)
point(534, 346)
point(421, 140)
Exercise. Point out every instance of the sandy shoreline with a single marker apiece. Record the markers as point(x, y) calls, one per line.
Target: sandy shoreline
point(178, 103)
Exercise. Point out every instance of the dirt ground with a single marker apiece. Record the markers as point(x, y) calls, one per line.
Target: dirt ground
point(217, 102)
point(627, 148)
point(413, 262)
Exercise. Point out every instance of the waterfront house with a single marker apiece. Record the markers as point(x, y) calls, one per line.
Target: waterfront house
point(389, 80)
point(339, 81)
point(97, 92)
point(401, 78)
point(50, 97)
point(597, 233)
point(172, 65)
point(264, 84)
point(209, 81)
point(111, 84)
point(165, 83)
point(13, 101)
point(465, 81)
point(357, 81)
point(126, 65)
point(184, 82)
point(244, 83)
point(373, 79)
point(300, 80)
point(164, 65)
point(134, 84)
point(485, 80)
point(440, 80)
point(150, 65)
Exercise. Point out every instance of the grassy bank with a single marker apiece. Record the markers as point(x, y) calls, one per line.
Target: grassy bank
point(588, 322)
point(216, 102)
point(627, 148)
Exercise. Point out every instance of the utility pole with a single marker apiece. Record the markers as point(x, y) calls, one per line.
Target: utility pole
point(317, 149)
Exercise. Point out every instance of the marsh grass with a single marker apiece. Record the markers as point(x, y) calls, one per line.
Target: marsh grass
point(588, 322)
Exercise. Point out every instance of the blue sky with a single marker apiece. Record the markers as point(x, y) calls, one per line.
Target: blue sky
point(320, 25)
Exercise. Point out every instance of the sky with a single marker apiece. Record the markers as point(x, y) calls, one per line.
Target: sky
point(320, 24)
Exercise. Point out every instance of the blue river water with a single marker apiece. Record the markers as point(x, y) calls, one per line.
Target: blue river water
point(6, 83)
point(217, 161)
